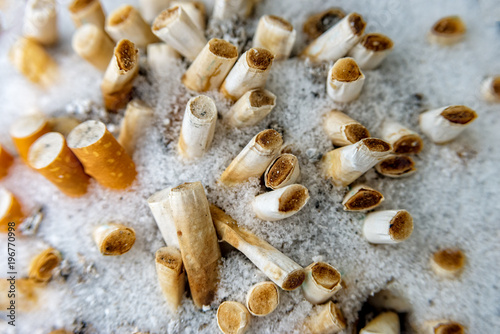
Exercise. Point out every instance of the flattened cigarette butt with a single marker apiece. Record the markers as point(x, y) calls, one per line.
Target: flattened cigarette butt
point(249, 72)
point(40, 21)
point(26, 130)
point(445, 124)
point(387, 323)
point(6, 161)
point(43, 264)
point(342, 129)
point(402, 139)
point(138, 117)
point(396, 166)
point(490, 89)
point(151, 8)
point(92, 44)
point(262, 299)
point(27, 293)
point(51, 157)
point(371, 50)
point(195, 10)
point(87, 11)
point(448, 30)
point(443, 327)
point(229, 9)
point(171, 275)
point(336, 41)
point(160, 56)
point(388, 227)
point(197, 240)
point(251, 108)
point(362, 198)
point(10, 211)
point(280, 203)
point(345, 80)
point(317, 24)
point(275, 34)
point(159, 203)
point(321, 283)
point(114, 239)
point(253, 159)
point(233, 318)
point(101, 155)
point(325, 319)
point(211, 66)
point(448, 263)
point(283, 171)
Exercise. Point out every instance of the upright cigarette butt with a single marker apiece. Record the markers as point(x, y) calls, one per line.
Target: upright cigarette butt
point(151, 8)
point(87, 11)
point(92, 44)
point(283, 171)
point(402, 139)
point(448, 263)
point(253, 159)
point(197, 240)
point(321, 283)
point(171, 275)
point(371, 50)
point(445, 124)
point(160, 55)
point(262, 299)
point(229, 9)
point(318, 23)
point(490, 89)
point(138, 117)
point(342, 129)
point(43, 264)
point(101, 155)
point(252, 107)
point(388, 227)
point(63, 124)
point(159, 203)
point(195, 10)
point(26, 130)
point(447, 30)
point(211, 66)
point(6, 161)
point(345, 80)
point(387, 323)
point(233, 318)
point(396, 166)
point(10, 211)
point(114, 239)
point(276, 35)
point(51, 157)
point(40, 21)
point(250, 72)
point(280, 203)
point(279, 268)
point(325, 319)
point(443, 327)
point(362, 198)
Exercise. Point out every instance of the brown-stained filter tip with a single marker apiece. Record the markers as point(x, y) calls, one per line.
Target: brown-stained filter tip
point(126, 55)
point(294, 280)
point(79, 5)
point(495, 85)
point(281, 169)
point(281, 22)
point(409, 144)
point(169, 259)
point(377, 42)
point(346, 70)
point(269, 139)
point(356, 132)
point(450, 25)
point(229, 316)
point(118, 242)
point(259, 58)
point(401, 226)
point(459, 114)
point(450, 328)
point(263, 299)
point(364, 199)
point(357, 24)
point(259, 98)
point(376, 145)
point(222, 48)
point(164, 18)
point(449, 259)
point(317, 24)
point(397, 165)
point(120, 15)
point(293, 199)
point(325, 275)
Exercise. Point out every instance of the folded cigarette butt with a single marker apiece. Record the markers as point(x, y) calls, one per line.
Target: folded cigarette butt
point(283, 171)
point(211, 66)
point(447, 30)
point(448, 263)
point(345, 80)
point(344, 165)
point(10, 211)
point(229, 9)
point(490, 89)
point(159, 203)
point(262, 299)
point(253, 159)
point(388, 226)
point(27, 293)
point(160, 56)
point(151, 8)
point(325, 319)
point(40, 21)
point(233, 318)
point(197, 240)
point(445, 124)
point(138, 117)
point(387, 323)
point(396, 166)
point(342, 129)
point(251, 108)
point(92, 44)
point(279, 268)
point(280, 203)
point(6, 161)
point(338, 40)
point(43, 264)
point(50, 156)
point(198, 127)
point(114, 239)
point(362, 198)
point(443, 327)
point(176, 28)
point(321, 283)
point(371, 50)
point(26, 130)
point(250, 72)
point(402, 139)
point(63, 124)
point(101, 155)
point(318, 23)
point(87, 11)
point(171, 275)
point(276, 35)
point(195, 10)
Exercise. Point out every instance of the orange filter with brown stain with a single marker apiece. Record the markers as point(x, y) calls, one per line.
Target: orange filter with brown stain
point(10, 211)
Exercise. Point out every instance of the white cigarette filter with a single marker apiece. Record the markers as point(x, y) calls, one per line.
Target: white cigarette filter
point(448, 30)
point(388, 227)
point(176, 28)
point(43, 264)
point(151, 8)
point(362, 198)
point(318, 23)
point(345, 80)
point(171, 275)
point(386, 323)
point(283, 171)
point(160, 56)
point(253, 159)
point(251, 108)
point(342, 129)
point(490, 89)
point(114, 239)
point(321, 283)
point(233, 318)
point(228, 9)
point(344, 165)
point(443, 327)
point(325, 319)
point(448, 263)
point(249, 72)
point(40, 21)
point(336, 41)
point(159, 203)
point(92, 44)
point(262, 299)
point(127, 22)
point(195, 10)
point(279, 268)
point(87, 11)
point(137, 120)
point(371, 50)
point(280, 203)
point(198, 127)
point(10, 211)
point(396, 166)
point(402, 139)
point(211, 66)
point(445, 124)
point(276, 35)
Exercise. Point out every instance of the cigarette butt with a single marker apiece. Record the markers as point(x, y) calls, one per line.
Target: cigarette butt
point(402, 139)
point(26, 130)
point(371, 50)
point(345, 80)
point(195, 10)
point(262, 299)
point(448, 263)
point(321, 283)
point(233, 318)
point(160, 56)
point(92, 44)
point(318, 23)
point(138, 117)
point(342, 129)
point(231, 9)
point(490, 89)
point(50, 156)
point(443, 327)
point(445, 124)
point(6, 161)
point(396, 166)
point(362, 198)
point(43, 264)
point(171, 275)
point(388, 227)
point(114, 239)
point(87, 11)
point(281, 203)
point(283, 171)
point(63, 124)
point(159, 203)
point(325, 319)
point(276, 35)
point(251, 108)
point(151, 8)
point(40, 21)
point(387, 323)
point(10, 211)
point(27, 293)
point(101, 155)
point(447, 31)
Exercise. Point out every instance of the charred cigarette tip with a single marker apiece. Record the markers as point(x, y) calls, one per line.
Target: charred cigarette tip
point(396, 166)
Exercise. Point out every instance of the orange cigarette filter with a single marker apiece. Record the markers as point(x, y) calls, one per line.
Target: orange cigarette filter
point(26, 130)
point(101, 155)
point(51, 157)
point(10, 210)
point(5, 162)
